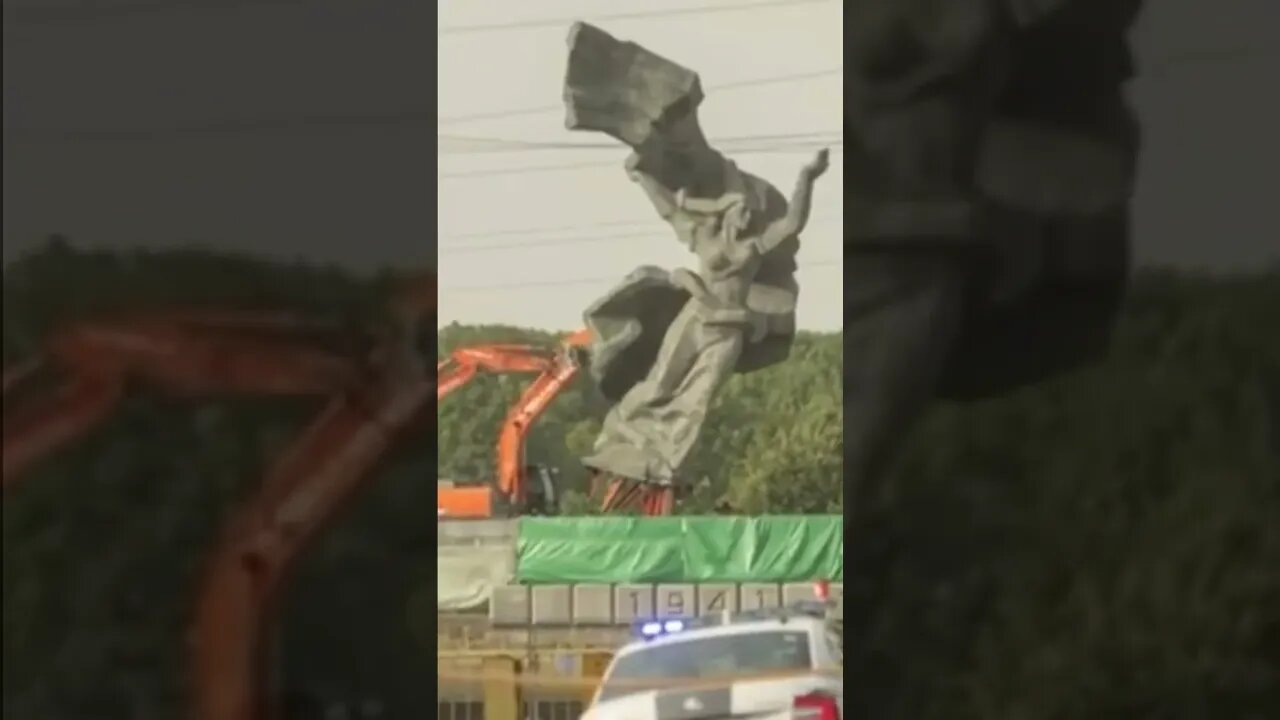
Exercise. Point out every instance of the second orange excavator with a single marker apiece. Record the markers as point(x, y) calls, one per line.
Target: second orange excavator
point(519, 488)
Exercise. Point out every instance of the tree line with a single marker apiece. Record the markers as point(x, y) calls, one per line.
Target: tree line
point(771, 442)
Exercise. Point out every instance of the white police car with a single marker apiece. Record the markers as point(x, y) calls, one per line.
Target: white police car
point(779, 664)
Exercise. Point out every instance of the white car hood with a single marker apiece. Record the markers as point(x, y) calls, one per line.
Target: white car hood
point(752, 699)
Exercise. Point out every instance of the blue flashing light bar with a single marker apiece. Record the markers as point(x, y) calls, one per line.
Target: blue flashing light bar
point(650, 629)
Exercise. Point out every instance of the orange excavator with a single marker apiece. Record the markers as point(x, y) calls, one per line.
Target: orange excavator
point(513, 490)
point(376, 392)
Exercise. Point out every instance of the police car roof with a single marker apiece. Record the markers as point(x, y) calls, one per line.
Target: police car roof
point(737, 626)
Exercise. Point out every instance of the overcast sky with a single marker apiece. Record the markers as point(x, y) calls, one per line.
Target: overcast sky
point(525, 69)
point(300, 128)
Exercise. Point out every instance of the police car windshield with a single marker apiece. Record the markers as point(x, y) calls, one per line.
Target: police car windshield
point(714, 656)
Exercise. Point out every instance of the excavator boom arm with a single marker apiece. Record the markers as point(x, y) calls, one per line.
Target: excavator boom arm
point(178, 356)
point(533, 402)
point(305, 488)
point(369, 411)
point(463, 364)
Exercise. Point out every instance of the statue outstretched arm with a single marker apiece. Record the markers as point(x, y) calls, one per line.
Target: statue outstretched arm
point(797, 217)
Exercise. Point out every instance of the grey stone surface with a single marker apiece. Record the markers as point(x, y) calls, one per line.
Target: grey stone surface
point(968, 284)
point(755, 596)
point(592, 604)
point(597, 606)
point(715, 598)
point(664, 343)
point(798, 592)
point(676, 600)
point(632, 602)
point(551, 605)
point(509, 605)
point(622, 89)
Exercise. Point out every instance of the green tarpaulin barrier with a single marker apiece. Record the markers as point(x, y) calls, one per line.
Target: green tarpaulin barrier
point(779, 548)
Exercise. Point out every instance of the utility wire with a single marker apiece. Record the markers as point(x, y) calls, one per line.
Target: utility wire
point(657, 229)
point(421, 118)
point(573, 282)
point(516, 143)
point(471, 144)
point(835, 147)
point(545, 242)
point(35, 15)
point(634, 226)
point(747, 143)
point(1157, 69)
point(737, 85)
point(555, 229)
point(412, 118)
point(637, 15)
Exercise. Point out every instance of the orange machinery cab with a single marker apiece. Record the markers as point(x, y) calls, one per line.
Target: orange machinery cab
point(464, 501)
point(538, 494)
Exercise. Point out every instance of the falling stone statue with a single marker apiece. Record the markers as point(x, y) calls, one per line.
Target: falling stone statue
point(664, 342)
point(987, 221)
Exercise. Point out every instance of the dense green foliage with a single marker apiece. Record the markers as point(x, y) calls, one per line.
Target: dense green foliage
point(1106, 545)
point(782, 422)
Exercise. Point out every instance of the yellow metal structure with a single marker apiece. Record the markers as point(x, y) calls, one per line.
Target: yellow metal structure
point(594, 663)
point(501, 691)
point(510, 684)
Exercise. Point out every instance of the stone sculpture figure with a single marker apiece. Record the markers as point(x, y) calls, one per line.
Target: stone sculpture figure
point(992, 158)
point(664, 342)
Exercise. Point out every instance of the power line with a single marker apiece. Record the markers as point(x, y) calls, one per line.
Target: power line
point(558, 167)
point(415, 119)
point(420, 118)
point(576, 282)
point(411, 118)
point(1154, 69)
point(545, 242)
point(524, 170)
point(541, 109)
point(468, 144)
point(537, 234)
point(82, 14)
point(638, 15)
point(467, 248)
point(553, 229)
point(476, 144)
point(637, 225)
